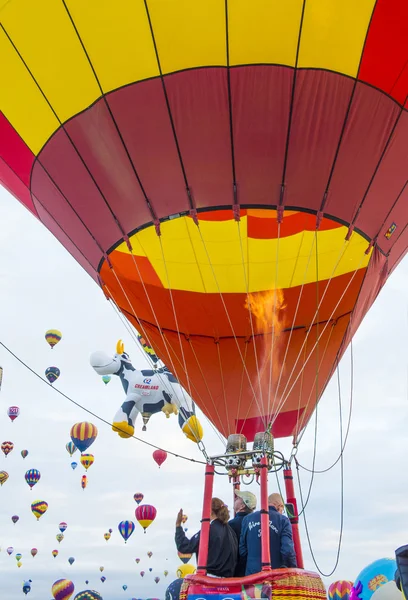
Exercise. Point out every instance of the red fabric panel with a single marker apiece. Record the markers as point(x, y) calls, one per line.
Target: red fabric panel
point(16, 187)
point(260, 228)
point(384, 62)
point(199, 104)
point(15, 153)
point(283, 426)
point(320, 105)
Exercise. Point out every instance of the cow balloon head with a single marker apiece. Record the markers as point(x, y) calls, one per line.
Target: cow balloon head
point(104, 364)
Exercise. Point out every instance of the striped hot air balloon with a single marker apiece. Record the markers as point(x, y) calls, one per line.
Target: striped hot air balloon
point(107, 536)
point(88, 595)
point(184, 557)
point(62, 589)
point(83, 435)
point(126, 528)
point(13, 412)
point(38, 508)
point(6, 448)
point(84, 481)
point(53, 336)
point(3, 477)
point(54, 553)
point(32, 477)
point(340, 590)
point(138, 497)
point(145, 514)
point(62, 526)
point(24, 453)
point(87, 460)
point(71, 448)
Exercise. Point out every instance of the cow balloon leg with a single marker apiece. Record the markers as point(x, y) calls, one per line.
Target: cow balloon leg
point(124, 420)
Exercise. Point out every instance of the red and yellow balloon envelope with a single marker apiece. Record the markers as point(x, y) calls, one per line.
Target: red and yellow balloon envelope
point(145, 514)
point(38, 508)
point(83, 435)
point(53, 336)
point(340, 590)
point(84, 481)
point(54, 553)
point(3, 477)
point(62, 589)
point(6, 448)
point(107, 536)
point(126, 528)
point(159, 456)
point(148, 349)
point(294, 154)
point(87, 460)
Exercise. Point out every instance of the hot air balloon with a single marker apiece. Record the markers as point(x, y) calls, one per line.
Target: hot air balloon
point(59, 537)
point(3, 477)
point(107, 536)
point(87, 460)
point(27, 586)
point(83, 435)
point(71, 448)
point(53, 336)
point(103, 578)
point(124, 586)
point(34, 552)
point(138, 497)
point(19, 563)
point(15, 518)
point(71, 560)
point(52, 374)
point(150, 569)
point(184, 518)
point(150, 554)
point(184, 557)
point(137, 560)
point(54, 553)
point(157, 579)
point(165, 573)
point(32, 477)
point(62, 589)
point(148, 349)
point(142, 573)
point(84, 481)
point(184, 570)
point(106, 379)
point(6, 448)
point(101, 569)
point(86, 581)
point(110, 530)
point(13, 412)
point(38, 508)
point(159, 456)
point(10, 550)
point(74, 465)
point(19, 556)
point(340, 590)
point(88, 595)
point(62, 526)
point(373, 576)
point(145, 514)
point(126, 528)
point(24, 453)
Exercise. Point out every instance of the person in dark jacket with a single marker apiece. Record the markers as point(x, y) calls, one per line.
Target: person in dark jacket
point(244, 504)
point(280, 538)
point(222, 543)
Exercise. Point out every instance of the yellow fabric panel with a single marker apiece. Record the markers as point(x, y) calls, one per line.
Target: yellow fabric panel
point(264, 31)
point(189, 33)
point(117, 38)
point(333, 34)
point(189, 267)
point(33, 120)
point(46, 39)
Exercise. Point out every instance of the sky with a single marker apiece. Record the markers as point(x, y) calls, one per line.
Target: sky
point(42, 287)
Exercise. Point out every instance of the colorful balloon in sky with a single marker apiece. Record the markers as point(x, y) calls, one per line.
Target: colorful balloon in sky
point(38, 508)
point(142, 573)
point(53, 336)
point(87, 460)
point(19, 563)
point(3, 477)
point(13, 412)
point(159, 456)
point(54, 553)
point(184, 570)
point(52, 374)
point(184, 518)
point(62, 526)
point(107, 536)
point(101, 569)
point(126, 528)
point(34, 552)
point(71, 448)
point(340, 590)
point(157, 579)
point(6, 448)
point(137, 560)
point(59, 537)
point(165, 573)
point(184, 557)
point(145, 514)
point(10, 550)
point(74, 465)
point(103, 578)
point(15, 518)
point(150, 554)
point(19, 556)
point(106, 379)
point(88, 595)
point(138, 497)
point(83, 435)
point(32, 477)
point(84, 481)
point(24, 453)
point(62, 589)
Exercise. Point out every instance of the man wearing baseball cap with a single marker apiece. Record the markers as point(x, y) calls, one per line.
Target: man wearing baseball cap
point(244, 505)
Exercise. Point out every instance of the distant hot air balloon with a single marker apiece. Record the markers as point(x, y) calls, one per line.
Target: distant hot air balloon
point(138, 497)
point(71, 560)
point(137, 560)
point(106, 379)
point(150, 569)
point(101, 569)
point(87, 460)
point(71, 448)
point(184, 518)
point(103, 578)
point(1, 376)
point(159, 456)
point(13, 412)
point(148, 349)
point(150, 554)
point(62, 589)
point(340, 590)
point(24, 453)
point(19, 556)
point(52, 374)
point(15, 518)
point(38, 508)
point(53, 336)
point(110, 530)
point(86, 582)
point(145, 514)
point(107, 536)
point(124, 586)
point(32, 477)
point(166, 573)
point(126, 528)
point(27, 587)
point(83, 435)
point(157, 579)
point(84, 481)
point(6, 448)
point(10, 550)
point(142, 573)
point(19, 563)
point(184, 557)
point(62, 526)
point(74, 465)
point(54, 553)
point(34, 552)
point(3, 477)
point(184, 570)
point(59, 537)
point(88, 595)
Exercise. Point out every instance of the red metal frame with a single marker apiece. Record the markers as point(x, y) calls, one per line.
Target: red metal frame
point(265, 548)
point(205, 520)
point(291, 499)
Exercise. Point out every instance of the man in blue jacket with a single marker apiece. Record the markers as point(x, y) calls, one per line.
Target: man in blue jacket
point(280, 538)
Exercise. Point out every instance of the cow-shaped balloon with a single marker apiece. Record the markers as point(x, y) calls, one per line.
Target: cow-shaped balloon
point(147, 392)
